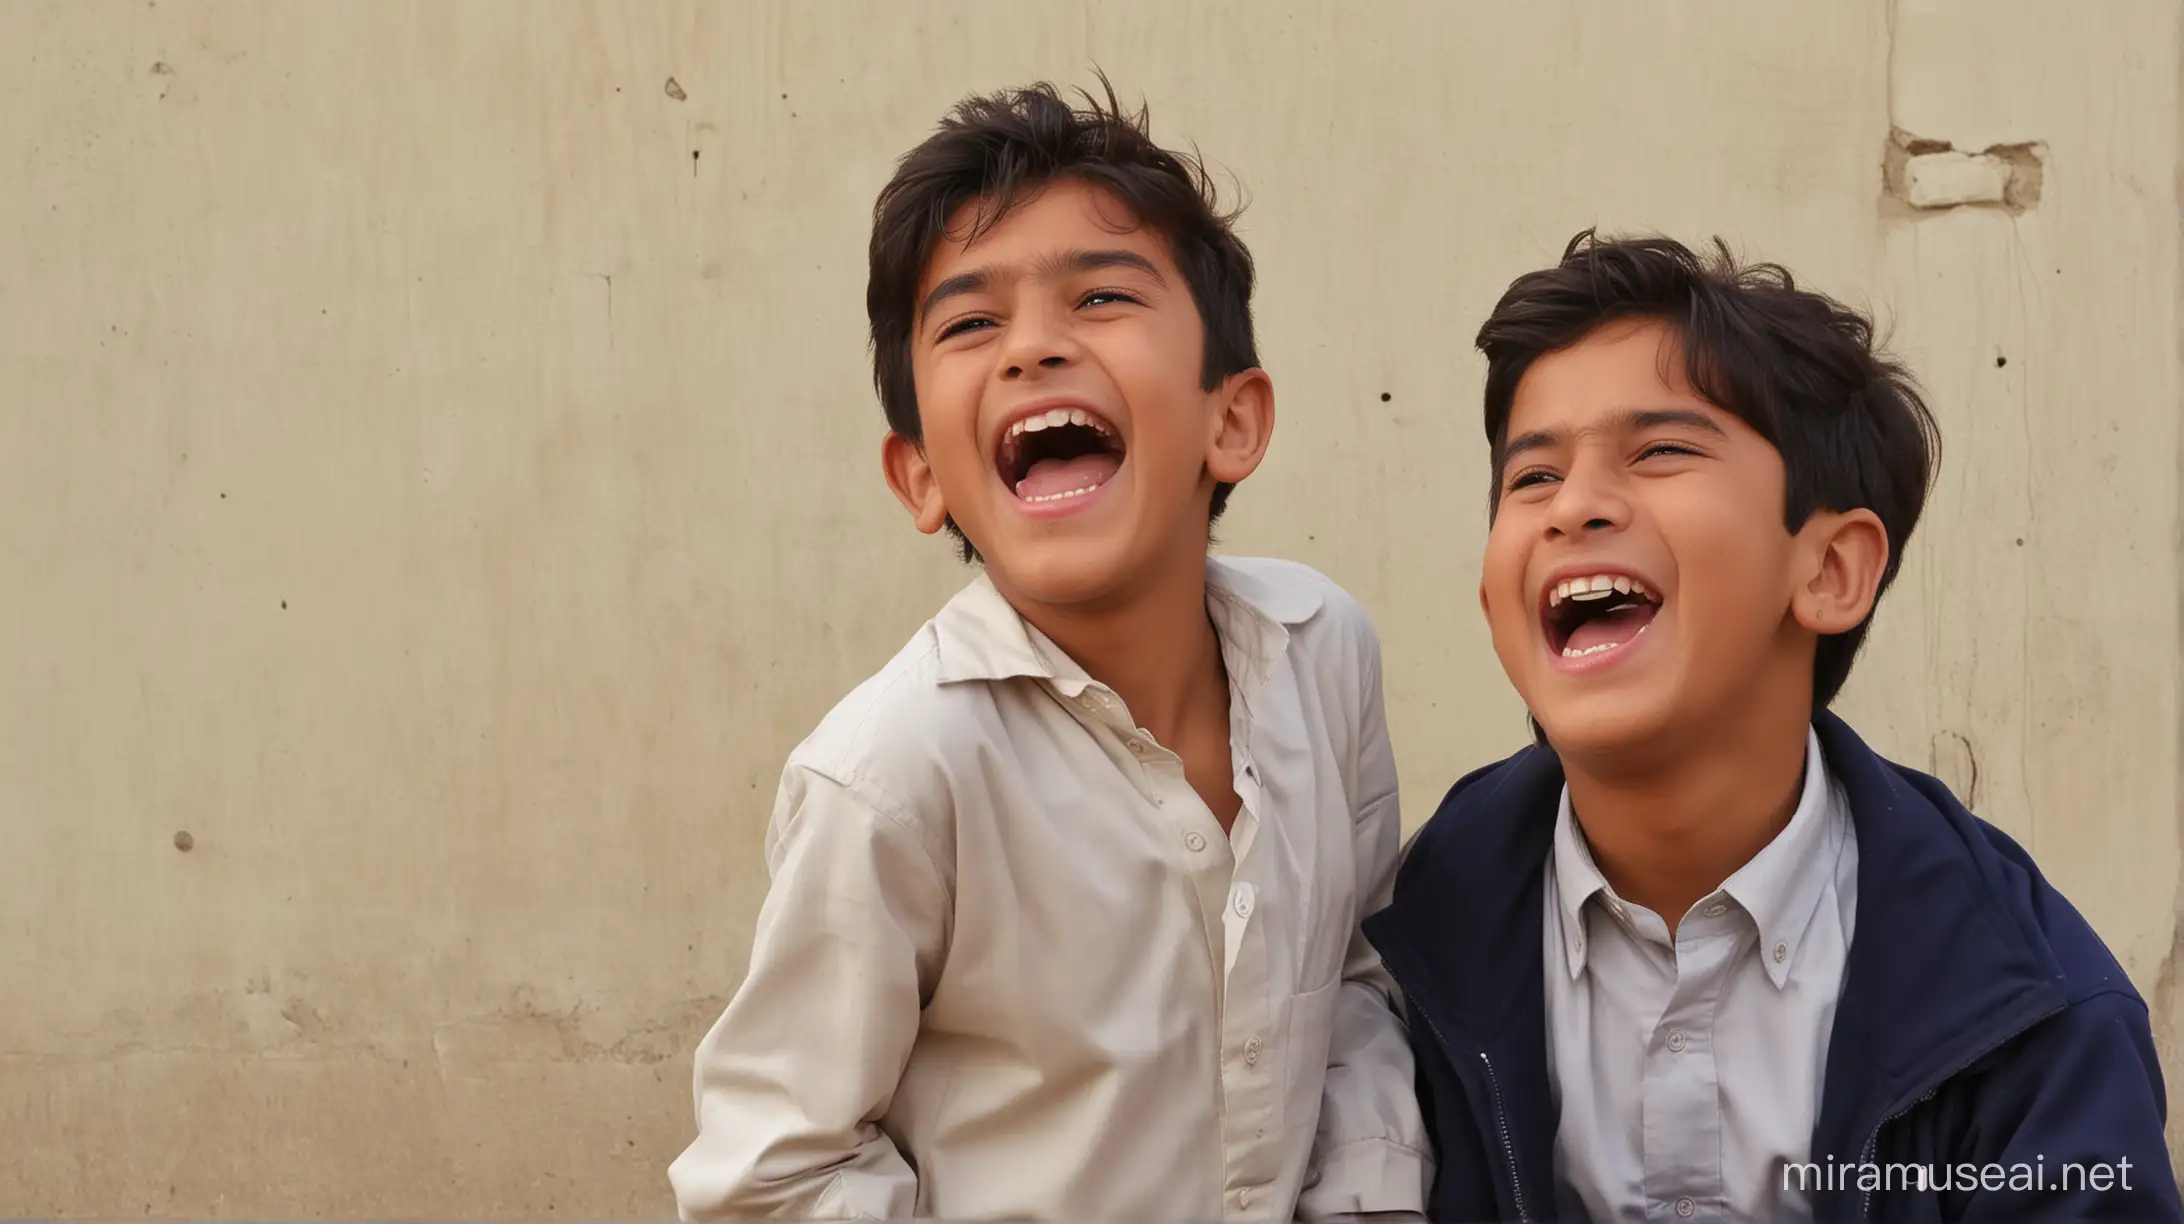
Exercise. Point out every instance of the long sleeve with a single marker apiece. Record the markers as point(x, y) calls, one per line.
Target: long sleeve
point(1371, 1156)
point(793, 1079)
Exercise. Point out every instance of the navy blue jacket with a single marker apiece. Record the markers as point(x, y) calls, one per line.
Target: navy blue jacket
point(1981, 1019)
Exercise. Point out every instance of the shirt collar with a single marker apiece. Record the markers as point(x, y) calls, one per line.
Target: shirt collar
point(1577, 880)
point(980, 636)
point(1782, 885)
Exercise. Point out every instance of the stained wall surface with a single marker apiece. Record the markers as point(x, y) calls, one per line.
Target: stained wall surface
point(439, 483)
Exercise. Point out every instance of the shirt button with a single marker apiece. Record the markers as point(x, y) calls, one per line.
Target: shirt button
point(1676, 1040)
point(1684, 1207)
point(1243, 904)
point(1137, 746)
point(1194, 840)
point(1251, 1052)
point(1716, 910)
point(1781, 950)
point(1243, 1197)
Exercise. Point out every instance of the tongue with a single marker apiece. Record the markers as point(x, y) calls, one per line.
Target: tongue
point(1051, 476)
point(1611, 628)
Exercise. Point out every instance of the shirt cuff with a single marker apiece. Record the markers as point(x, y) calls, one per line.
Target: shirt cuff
point(1371, 1177)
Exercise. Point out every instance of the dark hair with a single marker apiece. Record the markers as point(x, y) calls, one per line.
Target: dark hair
point(1000, 149)
point(1800, 368)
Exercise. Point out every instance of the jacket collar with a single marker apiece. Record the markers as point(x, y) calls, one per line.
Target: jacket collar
point(1947, 959)
point(1467, 892)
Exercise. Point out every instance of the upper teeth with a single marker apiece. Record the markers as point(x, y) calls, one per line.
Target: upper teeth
point(1053, 417)
point(1599, 586)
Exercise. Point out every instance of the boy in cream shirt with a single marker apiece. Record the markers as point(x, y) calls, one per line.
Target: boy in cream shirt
point(1064, 920)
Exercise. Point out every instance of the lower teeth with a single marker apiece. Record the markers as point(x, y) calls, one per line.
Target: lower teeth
point(1059, 496)
point(1569, 652)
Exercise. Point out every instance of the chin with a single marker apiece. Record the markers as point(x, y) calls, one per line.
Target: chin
point(1599, 727)
point(1060, 572)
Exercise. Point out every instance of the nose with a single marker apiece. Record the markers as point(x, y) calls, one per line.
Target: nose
point(1589, 499)
point(1052, 361)
point(1037, 340)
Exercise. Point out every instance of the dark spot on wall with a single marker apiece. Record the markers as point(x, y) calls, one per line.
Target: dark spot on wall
point(2000, 361)
point(1385, 397)
point(183, 841)
point(2020, 541)
point(160, 68)
point(675, 91)
point(284, 605)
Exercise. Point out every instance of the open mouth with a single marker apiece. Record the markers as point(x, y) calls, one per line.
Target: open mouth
point(1598, 613)
point(1057, 455)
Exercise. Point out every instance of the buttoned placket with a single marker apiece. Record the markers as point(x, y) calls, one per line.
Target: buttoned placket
point(1681, 1095)
point(1252, 1077)
point(1253, 1101)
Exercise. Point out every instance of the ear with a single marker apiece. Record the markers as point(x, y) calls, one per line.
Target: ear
point(911, 477)
point(1242, 425)
point(1844, 556)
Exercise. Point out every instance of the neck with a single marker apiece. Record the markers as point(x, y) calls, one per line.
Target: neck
point(1155, 648)
point(1670, 830)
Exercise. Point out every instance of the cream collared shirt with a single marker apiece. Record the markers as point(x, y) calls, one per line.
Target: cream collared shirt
point(1688, 1070)
point(1010, 966)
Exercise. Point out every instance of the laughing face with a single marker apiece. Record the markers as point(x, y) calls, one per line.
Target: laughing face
point(1058, 363)
point(1639, 578)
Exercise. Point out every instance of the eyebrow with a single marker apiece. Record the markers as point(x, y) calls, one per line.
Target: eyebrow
point(1047, 268)
point(1622, 420)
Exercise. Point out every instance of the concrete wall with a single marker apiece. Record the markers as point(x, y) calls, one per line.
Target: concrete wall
point(438, 483)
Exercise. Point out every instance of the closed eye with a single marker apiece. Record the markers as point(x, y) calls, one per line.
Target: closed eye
point(960, 326)
point(1098, 297)
point(1531, 477)
point(1668, 448)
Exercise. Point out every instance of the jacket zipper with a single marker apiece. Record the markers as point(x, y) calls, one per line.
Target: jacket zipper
point(1873, 1141)
point(1501, 1121)
point(1493, 1088)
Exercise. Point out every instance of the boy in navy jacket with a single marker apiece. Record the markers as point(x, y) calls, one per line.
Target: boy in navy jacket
point(1699, 953)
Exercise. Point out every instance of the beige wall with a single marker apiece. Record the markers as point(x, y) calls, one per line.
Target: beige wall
point(438, 473)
